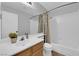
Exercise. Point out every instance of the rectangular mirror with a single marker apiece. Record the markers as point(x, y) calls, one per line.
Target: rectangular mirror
point(14, 19)
point(17, 19)
point(9, 20)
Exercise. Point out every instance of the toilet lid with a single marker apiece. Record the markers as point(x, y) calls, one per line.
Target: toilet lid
point(47, 45)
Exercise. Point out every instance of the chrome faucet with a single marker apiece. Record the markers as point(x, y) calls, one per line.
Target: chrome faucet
point(26, 35)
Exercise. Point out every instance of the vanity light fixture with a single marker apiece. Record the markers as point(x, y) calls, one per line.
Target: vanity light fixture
point(29, 4)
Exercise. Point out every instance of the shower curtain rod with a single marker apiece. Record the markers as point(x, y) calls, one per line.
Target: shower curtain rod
point(56, 8)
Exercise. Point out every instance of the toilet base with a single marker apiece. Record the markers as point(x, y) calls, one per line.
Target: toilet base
point(47, 49)
point(47, 53)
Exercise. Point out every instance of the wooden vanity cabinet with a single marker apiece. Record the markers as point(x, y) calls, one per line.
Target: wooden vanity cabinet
point(55, 53)
point(39, 52)
point(36, 50)
point(27, 52)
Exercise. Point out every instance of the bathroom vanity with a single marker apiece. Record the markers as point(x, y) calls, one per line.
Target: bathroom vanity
point(33, 46)
point(36, 50)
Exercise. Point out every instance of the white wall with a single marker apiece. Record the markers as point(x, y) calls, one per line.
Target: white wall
point(67, 29)
point(53, 30)
point(64, 25)
point(0, 28)
point(0, 20)
point(33, 26)
point(0, 7)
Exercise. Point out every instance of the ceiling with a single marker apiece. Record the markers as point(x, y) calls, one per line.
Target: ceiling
point(52, 5)
point(18, 6)
point(38, 7)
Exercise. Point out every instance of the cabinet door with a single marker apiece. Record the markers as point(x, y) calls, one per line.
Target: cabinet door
point(27, 52)
point(37, 47)
point(39, 52)
point(9, 23)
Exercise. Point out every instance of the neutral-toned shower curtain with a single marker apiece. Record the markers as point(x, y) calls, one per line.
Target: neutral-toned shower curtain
point(40, 24)
point(43, 26)
point(46, 27)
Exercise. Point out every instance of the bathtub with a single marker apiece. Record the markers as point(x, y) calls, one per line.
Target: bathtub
point(65, 50)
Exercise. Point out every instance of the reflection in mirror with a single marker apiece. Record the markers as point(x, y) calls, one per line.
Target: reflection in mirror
point(36, 25)
point(9, 20)
point(14, 19)
point(17, 19)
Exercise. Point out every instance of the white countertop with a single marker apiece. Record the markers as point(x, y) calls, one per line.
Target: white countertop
point(7, 49)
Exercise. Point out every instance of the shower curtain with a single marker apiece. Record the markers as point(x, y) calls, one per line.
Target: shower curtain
point(40, 25)
point(43, 26)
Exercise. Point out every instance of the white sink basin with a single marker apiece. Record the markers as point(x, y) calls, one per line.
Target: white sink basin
point(21, 43)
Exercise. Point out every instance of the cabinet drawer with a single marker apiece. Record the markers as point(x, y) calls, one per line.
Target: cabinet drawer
point(37, 47)
point(39, 52)
point(27, 52)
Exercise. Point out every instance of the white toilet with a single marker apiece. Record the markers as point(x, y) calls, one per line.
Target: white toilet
point(47, 49)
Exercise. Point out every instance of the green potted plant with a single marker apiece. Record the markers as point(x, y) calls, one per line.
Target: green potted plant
point(13, 37)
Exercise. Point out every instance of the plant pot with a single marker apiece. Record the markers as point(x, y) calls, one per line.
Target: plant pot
point(13, 40)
